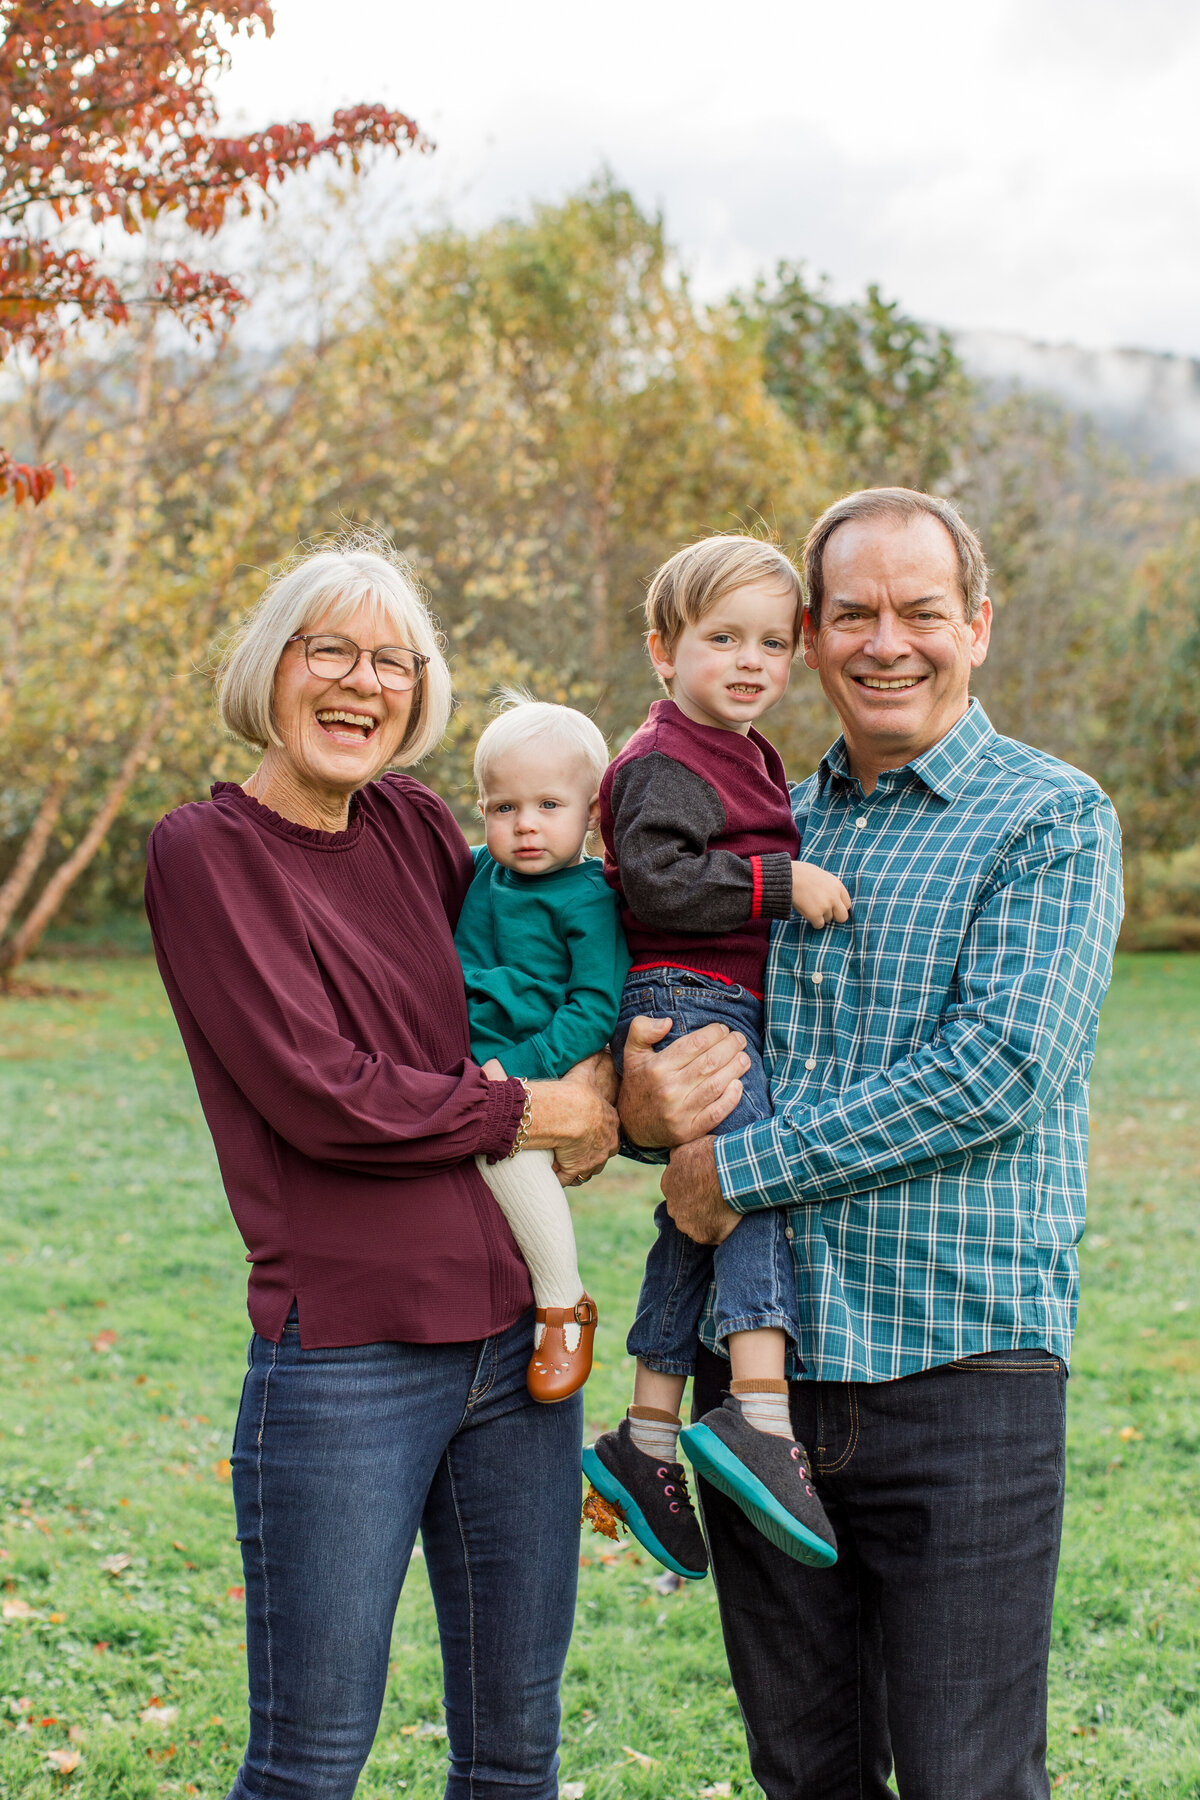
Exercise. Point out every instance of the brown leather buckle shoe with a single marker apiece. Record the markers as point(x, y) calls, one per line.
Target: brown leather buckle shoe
point(554, 1371)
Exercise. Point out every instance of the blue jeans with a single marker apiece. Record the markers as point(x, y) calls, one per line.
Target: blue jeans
point(925, 1648)
point(339, 1456)
point(753, 1268)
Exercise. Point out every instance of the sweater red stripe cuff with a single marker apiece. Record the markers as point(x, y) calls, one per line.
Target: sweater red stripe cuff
point(757, 894)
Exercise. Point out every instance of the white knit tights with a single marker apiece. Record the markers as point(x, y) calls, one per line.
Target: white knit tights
point(530, 1196)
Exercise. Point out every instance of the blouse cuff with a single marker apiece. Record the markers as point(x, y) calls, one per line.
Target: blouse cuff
point(505, 1102)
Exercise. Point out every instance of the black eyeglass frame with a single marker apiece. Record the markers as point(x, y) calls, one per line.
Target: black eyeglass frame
point(308, 637)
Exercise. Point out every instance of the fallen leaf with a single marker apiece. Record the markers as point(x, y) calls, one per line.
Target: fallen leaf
point(18, 1609)
point(639, 1757)
point(101, 1647)
point(1127, 1433)
point(158, 1714)
point(235, 1593)
point(571, 1790)
point(668, 1582)
point(23, 1705)
point(426, 1729)
point(63, 1762)
point(717, 1791)
point(116, 1564)
point(58, 1618)
point(602, 1515)
point(103, 1341)
point(221, 1469)
point(176, 1545)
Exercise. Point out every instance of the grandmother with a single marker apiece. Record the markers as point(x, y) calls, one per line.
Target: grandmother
point(302, 923)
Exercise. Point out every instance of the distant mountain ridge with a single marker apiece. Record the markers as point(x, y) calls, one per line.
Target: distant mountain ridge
point(1146, 401)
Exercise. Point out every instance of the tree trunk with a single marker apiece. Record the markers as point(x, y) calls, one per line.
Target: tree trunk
point(26, 938)
point(33, 849)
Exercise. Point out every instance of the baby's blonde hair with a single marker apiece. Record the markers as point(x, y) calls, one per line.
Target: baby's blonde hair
point(525, 720)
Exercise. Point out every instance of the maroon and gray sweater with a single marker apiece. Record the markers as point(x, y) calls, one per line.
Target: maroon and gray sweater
point(699, 843)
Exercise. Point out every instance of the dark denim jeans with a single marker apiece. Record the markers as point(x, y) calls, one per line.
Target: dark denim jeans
point(755, 1275)
point(339, 1456)
point(926, 1645)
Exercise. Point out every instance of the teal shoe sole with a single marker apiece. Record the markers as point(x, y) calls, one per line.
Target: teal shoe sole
point(713, 1459)
point(606, 1483)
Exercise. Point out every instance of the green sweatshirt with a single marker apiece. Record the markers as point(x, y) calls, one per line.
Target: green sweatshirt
point(544, 960)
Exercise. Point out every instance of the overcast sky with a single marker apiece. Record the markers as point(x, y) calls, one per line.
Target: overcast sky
point(1027, 165)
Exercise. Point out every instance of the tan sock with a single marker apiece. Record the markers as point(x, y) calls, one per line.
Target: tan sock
point(764, 1405)
point(654, 1432)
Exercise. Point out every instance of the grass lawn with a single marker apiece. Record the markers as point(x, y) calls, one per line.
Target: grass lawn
point(122, 1338)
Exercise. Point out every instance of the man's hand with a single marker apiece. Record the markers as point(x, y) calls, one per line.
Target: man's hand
point(674, 1095)
point(693, 1194)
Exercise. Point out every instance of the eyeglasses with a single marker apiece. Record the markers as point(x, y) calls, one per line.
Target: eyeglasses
point(333, 658)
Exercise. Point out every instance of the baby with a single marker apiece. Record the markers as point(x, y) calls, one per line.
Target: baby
point(700, 843)
point(544, 961)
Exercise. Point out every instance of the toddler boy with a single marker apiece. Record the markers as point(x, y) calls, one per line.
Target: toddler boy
point(700, 843)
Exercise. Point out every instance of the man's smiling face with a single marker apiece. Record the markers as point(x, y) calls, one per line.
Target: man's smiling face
point(894, 648)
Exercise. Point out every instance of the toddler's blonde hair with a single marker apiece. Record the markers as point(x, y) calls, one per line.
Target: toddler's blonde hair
point(690, 583)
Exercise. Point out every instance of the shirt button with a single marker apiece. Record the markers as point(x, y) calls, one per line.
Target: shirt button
point(788, 1233)
point(818, 979)
point(811, 1063)
point(859, 823)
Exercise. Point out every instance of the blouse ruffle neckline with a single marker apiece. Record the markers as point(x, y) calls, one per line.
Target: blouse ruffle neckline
point(288, 828)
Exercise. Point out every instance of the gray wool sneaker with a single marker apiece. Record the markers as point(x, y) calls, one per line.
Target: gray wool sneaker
point(768, 1477)
point(652, 1498)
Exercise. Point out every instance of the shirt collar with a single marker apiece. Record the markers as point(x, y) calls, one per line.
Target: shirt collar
point(945, 769)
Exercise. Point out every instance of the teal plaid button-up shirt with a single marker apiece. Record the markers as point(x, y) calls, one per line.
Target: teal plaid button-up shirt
point(929, 1060)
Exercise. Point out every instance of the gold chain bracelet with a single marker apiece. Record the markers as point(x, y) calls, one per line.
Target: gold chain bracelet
point(519, 1142)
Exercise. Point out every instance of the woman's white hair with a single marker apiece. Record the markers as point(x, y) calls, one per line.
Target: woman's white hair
point(329, 582)
point(553, 728)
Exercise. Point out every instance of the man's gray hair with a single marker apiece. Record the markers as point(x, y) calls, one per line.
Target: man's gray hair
point(902, 505)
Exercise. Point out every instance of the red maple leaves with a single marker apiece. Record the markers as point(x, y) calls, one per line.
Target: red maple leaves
point(107, 115)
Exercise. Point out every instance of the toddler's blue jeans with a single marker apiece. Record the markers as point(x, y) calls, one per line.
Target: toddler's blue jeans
point(753, 1268)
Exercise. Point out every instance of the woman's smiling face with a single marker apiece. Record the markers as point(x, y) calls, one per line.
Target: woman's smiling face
point(339, 734)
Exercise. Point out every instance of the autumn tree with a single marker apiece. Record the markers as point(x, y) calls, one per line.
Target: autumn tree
point(541, 412)
point(885, 393)
point(1151, 751)
point(108, 120)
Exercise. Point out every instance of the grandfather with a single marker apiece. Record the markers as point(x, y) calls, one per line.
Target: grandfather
point(929, 1064)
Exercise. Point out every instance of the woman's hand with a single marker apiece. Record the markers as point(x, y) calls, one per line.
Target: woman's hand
point(674, 1095)
point(576, 1119)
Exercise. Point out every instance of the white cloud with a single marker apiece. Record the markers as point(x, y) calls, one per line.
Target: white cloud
point(1025, 164)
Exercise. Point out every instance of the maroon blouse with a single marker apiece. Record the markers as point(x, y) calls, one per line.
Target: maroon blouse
point(315, 982)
